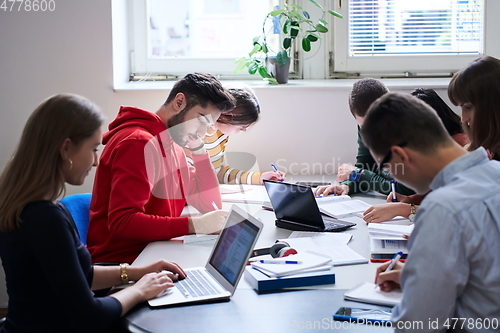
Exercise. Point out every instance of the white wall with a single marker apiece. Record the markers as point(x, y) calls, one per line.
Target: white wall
point(70, 50)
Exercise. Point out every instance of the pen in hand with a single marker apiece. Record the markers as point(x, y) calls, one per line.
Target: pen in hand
point(394, 261)
point(393, 189)
point(215, 205)
point(275, 168)
point(391, 265)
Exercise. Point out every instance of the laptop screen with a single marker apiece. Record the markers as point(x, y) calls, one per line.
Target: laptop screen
point(232, 249)
point(294, 203)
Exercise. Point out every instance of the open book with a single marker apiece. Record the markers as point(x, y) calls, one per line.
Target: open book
point(371, 293)
point(247, 194)
point(339, 206)
point(328, 244)
point(388, 238)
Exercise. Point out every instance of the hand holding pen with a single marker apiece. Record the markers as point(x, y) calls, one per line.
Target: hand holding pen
point(273, 175)
point(393, 191)
point(388, 275)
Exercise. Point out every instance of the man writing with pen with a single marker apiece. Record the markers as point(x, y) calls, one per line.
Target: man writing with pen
point(453, 267)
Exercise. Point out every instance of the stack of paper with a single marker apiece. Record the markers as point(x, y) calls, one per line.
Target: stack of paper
point(371, 293)
point(262, 282)
point(339, 206)
point(308, 262)
point(389, 231)
point(333, 245)
point(248, 194)
point(388, 238)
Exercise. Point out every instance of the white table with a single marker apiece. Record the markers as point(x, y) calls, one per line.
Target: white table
point(283, 311)
point(196, 254)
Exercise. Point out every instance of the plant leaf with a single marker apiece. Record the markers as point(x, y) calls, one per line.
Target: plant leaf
point(312, 37)
point(252, 69)
point(295, 14)
point(306, 14)
point(272, 81)
point(285, 26)
point(264, 73)
point(316, 4)
point(334, 13)
point(282, 58)
point(264, 48)
point(294, 29)
point(241, 65)
point(287, 42)
point(323, 22)
point(306, 44)
point(296, 6)
point(321, 28)
point(277, 12)
point(256, 48)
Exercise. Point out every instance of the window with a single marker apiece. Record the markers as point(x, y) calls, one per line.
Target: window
point(176, 37)
point(411, 37)
point(375, 37)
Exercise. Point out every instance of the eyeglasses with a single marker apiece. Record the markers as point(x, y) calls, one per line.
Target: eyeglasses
point(388, 157)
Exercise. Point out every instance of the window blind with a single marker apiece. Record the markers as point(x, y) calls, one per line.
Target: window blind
point(406, 27)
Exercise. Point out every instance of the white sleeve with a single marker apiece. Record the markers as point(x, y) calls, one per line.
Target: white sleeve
point(435, 273)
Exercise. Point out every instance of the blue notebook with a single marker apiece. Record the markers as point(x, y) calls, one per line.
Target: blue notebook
point(261, 282)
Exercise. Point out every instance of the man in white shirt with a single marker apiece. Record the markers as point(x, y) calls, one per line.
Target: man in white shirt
point(451, 280)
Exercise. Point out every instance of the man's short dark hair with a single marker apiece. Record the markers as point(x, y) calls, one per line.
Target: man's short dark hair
point(202, 89)
point(398, 118)
point(364, 92)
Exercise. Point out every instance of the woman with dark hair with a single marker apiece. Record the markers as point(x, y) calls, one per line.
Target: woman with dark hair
point(47, 269)
point(476, 89)
point(407, 205)
point(245, 114)
point(450, 119)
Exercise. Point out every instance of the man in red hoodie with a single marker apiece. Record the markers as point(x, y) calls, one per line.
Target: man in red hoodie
point(143, 181)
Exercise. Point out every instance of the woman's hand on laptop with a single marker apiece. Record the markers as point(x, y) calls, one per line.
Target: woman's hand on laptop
point(174, 271)
point(209, 223)
point(323, 191)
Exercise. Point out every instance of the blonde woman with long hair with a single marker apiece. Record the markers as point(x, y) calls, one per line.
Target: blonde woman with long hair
point(48, 272)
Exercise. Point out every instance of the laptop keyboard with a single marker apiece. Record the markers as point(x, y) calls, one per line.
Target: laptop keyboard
point(329, 225)
point(196, 285)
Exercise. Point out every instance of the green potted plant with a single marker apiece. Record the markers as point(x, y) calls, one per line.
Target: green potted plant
point(296, 26)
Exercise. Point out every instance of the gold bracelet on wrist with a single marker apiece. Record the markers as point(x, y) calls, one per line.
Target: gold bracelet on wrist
point(123, 273)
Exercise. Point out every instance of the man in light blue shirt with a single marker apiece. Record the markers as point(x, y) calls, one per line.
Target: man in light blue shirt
point(451, 279)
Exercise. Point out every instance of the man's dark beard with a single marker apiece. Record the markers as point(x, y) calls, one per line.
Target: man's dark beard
point(176, 129)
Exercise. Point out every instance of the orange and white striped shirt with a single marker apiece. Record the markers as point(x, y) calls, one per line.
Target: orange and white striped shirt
point(215, 144)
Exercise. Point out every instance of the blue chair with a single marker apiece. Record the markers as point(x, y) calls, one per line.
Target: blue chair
point(78, 206)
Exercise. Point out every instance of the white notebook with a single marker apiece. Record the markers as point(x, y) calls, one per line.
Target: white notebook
point(249, 194)
point(371, 293)
point(329, 245)
point(308, 261)
point(339, 206)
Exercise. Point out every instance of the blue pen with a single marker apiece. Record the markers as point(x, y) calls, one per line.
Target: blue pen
point(393, 189)
point(275, 168)
point(286, 262)
point(394, 261)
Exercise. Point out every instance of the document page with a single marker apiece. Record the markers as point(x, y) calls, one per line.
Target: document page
point(371, 293)
point(339, 252)
point(250, 194)
point(307, 260)
point(388, 245)
point(343, 208)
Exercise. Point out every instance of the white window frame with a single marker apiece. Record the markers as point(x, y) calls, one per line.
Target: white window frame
point(312, 65)
point(406, 65)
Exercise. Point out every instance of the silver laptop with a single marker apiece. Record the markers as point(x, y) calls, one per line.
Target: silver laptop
point(220, 276)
